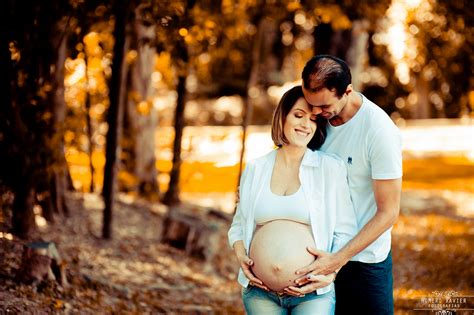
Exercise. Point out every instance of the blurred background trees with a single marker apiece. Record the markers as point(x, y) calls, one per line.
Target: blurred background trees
point(194, 62)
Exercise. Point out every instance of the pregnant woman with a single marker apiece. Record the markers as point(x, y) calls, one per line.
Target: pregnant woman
point(291, 199)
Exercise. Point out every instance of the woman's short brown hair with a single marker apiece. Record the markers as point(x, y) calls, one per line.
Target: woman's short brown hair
point(284, 107)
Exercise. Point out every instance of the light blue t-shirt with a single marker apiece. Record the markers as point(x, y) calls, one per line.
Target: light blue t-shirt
point(370, 145)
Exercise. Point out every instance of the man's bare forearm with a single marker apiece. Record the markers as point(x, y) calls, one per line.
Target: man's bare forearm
point(380, 223)
point(387, 196)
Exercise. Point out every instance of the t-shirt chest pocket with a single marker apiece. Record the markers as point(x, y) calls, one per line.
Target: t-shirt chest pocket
point(357, 167)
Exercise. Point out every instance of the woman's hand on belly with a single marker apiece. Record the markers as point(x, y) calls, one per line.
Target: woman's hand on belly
point(246, 264)
point(312, 283)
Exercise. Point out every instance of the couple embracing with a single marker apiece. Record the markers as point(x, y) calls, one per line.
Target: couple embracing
point(312, 227)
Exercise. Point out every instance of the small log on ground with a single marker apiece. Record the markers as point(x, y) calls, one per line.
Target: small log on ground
point(41, 261)
point(193, 233)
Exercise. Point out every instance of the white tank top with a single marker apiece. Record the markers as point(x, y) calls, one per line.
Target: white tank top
point(271, 207)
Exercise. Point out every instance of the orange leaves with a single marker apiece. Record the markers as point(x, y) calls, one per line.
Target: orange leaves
point(144, 107)
point(91, 41)
point(58, 304)
point(14, 52)
point(163, 66)
point(131, 56)
point(334, 15)
point(293, 6)
point(183, 32)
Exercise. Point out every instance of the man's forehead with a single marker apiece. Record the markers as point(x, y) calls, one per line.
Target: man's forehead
point(319, 98)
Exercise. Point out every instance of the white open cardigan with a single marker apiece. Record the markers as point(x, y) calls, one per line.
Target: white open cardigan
point(323, 178)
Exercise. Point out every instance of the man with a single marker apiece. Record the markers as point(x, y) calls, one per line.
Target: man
point(365, 137)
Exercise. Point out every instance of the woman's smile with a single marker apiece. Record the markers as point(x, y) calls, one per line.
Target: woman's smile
point(302, 132)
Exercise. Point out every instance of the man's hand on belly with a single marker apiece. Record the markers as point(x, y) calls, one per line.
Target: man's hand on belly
point(325, 264)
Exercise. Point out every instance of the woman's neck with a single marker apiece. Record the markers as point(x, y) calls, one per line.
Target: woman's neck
point(291, 155)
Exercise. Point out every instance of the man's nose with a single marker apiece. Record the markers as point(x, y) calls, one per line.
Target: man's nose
point(316, 110)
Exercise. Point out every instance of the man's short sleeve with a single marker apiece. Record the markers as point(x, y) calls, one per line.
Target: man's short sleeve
point(385, 152)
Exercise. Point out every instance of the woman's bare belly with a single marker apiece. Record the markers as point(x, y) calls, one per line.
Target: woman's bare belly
point(278, 249)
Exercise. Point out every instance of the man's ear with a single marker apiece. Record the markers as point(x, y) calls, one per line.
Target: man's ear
point(349, 89)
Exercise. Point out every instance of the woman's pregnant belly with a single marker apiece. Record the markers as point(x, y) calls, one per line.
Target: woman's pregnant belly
point(278, 249)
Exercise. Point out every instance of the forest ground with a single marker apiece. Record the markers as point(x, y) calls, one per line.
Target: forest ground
point(433, 246)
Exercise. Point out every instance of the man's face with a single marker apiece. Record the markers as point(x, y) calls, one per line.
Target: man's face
point(325, 102)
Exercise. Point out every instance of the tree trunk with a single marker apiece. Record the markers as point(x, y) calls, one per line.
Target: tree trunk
point(59, 42)
point(115, 114)
point(69, 182)
point(45, 201)
point(350, 46)
point(357, 55)
point(15, 144)
point(252, 82)
point(41, 261)
point(421, 109)
point(13, 97)
point(23, 221)
point(181, 50)
point(142, 117)
point(172, 194)
point(341, 41)
point(38, 149)
point(322, 38)
point(90, 147)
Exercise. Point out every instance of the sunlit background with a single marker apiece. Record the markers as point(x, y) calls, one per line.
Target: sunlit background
point(230, 61)
point(420, 42)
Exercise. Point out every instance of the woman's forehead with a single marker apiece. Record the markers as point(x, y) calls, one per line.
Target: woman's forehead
point(302, 105)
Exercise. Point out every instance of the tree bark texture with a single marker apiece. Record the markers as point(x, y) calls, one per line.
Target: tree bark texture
point(253, 81)
point(59, 112)
point(349, 45)
point(182, 62)
point(90, 147)
point(115, 115)
point(172, 194)
point(357, 55)
point(322, 38)
point(23, 217)
point(421, 109)
point(142, 117)
point(35, 108)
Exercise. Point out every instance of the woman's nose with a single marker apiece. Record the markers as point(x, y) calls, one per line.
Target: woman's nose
point(306, 122)
point(316, 110)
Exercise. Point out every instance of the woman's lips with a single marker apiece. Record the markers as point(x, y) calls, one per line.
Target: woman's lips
point(301, 132)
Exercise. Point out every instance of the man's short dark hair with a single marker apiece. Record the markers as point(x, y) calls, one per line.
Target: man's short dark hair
point(326, 71)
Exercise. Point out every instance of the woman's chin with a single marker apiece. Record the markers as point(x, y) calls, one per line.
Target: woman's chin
point(299, 144)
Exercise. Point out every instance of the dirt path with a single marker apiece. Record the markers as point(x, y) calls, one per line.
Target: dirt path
point(433, 249)
point(135, 274)
point(131, 274)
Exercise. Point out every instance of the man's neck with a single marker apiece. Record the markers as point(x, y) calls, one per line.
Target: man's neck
point(353, 105)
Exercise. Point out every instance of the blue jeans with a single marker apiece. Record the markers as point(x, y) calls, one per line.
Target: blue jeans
point(365, 288)
point(258, 301)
